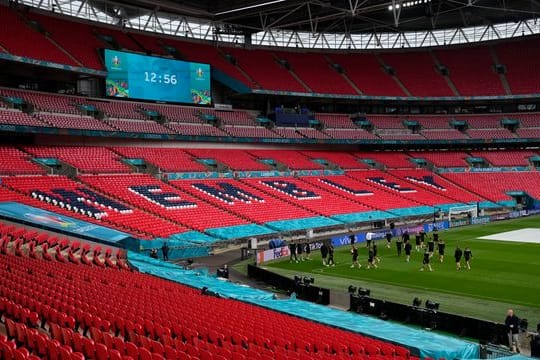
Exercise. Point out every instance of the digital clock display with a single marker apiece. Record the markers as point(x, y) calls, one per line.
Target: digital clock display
point(153, 78)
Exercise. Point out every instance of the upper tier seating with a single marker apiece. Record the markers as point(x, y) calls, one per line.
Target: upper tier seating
point(494, 186)
point(465, 64)
point(343, 160)
point(264, 69)
point(443, 158)
point(88, 159)
point(506, 157)
point(167, 159)
point(140, 318)
point(290, 158)
point(14, 161)
point(449, 134)
point(208, 54)
point(312, 68)
point(367, 74)
point(261, 208)
point(391, 160)
point(259, 68)
point(16, 117)
point(132, 221)
point(416, 71)
point(145, 192)
point(13, 30)
point(79, 41)
point(150, 42)
point(520, 58)
point(338, 121)
point(235, 159)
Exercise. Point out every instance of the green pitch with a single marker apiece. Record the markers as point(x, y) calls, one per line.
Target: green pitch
point(502, 275)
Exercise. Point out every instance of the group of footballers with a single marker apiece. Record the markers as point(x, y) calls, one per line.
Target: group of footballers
point(429, 249)
point(301, 251)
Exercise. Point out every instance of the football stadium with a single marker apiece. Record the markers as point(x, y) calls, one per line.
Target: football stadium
point(269, 179)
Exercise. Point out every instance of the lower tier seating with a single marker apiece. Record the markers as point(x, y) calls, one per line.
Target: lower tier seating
point(62, 195)
point(143, 317)
point(245, 199)
point(146, 192)
point(494, 186)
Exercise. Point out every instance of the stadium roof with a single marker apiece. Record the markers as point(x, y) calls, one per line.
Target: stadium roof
point(316, 24)
point(347, 16)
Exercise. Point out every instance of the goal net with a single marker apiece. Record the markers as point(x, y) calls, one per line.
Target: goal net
point(460, 212)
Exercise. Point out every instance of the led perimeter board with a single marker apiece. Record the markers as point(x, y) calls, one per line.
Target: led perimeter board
point(153, 78)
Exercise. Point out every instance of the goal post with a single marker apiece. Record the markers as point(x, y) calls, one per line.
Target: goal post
point(458, 212)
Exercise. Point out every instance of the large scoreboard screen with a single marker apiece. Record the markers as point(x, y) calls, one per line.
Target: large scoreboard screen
point(153, 78)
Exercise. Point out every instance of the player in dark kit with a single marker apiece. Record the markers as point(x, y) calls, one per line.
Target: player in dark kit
point(399, 245)
point(417, 242)
point(354, 253)
point(422, 238)
point(408, 248)
point(331, 256)
point(324, 253)
point(308, 251)
point(431, 246)
point(441, 247)
point(388, 236)
point(375, 257)
point(467, 254)
point(292, 250)
point(299, 251)
point(425, 261)
point(371, 259)
point(458, 253)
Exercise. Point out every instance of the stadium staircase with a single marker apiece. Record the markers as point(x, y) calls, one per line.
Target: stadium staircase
point(447, 78)
point(290, 70)
point(502, 75)
point(343, 74)
point(393, 75)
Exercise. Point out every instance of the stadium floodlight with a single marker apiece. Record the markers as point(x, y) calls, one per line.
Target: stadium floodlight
point(407, 4)
point(249, 7)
